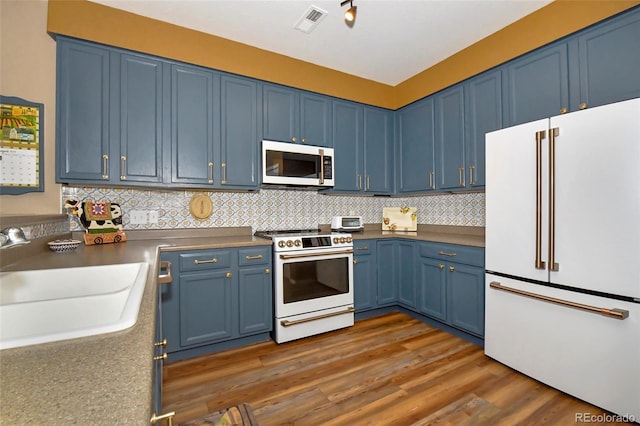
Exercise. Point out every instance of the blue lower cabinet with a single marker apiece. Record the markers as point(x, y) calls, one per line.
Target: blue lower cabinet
point(216, 297)
point(364, 275)
point(386, 272)
point(452, 292)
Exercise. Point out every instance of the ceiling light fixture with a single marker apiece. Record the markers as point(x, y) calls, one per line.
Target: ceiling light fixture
point(350, 14)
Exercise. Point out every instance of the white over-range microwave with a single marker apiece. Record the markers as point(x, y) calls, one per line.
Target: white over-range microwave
point(289, 164)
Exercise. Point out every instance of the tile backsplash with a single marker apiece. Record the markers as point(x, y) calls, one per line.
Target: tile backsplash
point(278, 209)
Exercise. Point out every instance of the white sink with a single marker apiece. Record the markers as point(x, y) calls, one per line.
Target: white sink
point(48, 305)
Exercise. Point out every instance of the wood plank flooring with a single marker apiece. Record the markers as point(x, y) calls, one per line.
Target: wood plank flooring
point(387, 370)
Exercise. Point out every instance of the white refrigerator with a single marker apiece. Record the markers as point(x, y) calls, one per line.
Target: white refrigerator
point(563, 253)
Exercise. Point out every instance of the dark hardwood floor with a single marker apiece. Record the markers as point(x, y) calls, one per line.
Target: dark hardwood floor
point(387, 370)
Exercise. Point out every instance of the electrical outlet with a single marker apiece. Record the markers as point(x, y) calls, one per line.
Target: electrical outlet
point(153, 216)
point(138, 217)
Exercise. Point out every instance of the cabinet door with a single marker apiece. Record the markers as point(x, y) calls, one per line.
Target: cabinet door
point(255, 300)
point(416, 155)
point(280, 113)
point(432, 288)
point(406, 273)
point(205, 307)
point(315, 120)
point(240, 145)
point(450, 142)
point(140, 119)
point(194, 129)
point(609, 62)
point(483, 114)
point(465, 286)
point(348, 146)
point(537, 85)
point(378, 150)
point(364, 275)
point(387, 272)
point(82, 140)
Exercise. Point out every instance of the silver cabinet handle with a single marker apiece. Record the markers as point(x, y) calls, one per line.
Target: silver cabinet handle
point(472, 170)
point(432, 180)
point(165, 278)
point(224, 173)
point(461, 176)
point(210, 171)
point(123, 167)
point(105, 167)
point(444, 253)
point(613, 313)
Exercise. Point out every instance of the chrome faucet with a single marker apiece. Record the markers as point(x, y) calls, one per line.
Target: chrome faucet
point(12, 237)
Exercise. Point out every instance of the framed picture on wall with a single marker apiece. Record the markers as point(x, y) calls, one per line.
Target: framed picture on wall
point(21, 146)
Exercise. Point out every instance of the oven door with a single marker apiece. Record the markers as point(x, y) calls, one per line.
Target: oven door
point(313, 280)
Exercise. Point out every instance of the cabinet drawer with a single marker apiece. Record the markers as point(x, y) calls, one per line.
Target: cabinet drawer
point(454, 253)
point(205, 259)
point(362, 247)
point(254, 256)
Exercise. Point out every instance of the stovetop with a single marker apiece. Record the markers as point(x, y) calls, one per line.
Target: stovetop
point(305, 239)
point(270, 234)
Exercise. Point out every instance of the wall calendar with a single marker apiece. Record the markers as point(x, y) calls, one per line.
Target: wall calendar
point(21, 146)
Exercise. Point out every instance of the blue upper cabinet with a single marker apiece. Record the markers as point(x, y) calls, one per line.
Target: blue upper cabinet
point(415, 151)
point(315, 120)
point(450, 143)
point(291, 115)
point(537, 85)
point(138, 126)
point(483, 114)
point(348, 146)
point(609, 63)
point(240, 144)
point(378, 151)
point(194, 124)
point(363, 144)
point(281, 113)
point(82, 131)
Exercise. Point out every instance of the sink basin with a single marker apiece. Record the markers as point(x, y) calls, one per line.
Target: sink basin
point(48, 305)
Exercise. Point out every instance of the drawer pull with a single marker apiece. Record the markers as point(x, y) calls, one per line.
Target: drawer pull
point(253, 257)
point(199, 262)
point(362, 248)
point(444, 253)
point(163, 343)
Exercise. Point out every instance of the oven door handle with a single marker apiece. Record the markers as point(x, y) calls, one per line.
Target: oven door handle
point(330, 253)
point(287, 323)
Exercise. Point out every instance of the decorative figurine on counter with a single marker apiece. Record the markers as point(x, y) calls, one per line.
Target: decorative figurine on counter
point(102, 221)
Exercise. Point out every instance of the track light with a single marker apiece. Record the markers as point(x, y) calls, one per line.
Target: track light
point(350, 14)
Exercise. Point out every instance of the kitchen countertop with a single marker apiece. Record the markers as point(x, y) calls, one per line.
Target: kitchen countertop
point(106, 379)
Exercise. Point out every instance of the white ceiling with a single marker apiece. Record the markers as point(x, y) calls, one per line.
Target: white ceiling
point(391, 40)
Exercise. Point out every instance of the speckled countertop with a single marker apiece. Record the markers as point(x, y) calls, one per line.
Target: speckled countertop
point(107, 379)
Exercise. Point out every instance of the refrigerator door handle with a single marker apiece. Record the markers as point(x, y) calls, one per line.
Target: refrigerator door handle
point(612, 313)
point(553, 133)
point(540, 135)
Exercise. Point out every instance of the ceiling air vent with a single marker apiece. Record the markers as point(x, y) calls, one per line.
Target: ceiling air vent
point(310, 19)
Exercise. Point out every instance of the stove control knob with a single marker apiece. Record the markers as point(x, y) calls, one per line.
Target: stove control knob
point(297, 243)
point(342, 240)
point(289, 243)
point(349, 239)
point(336, 240)
point(281, 244)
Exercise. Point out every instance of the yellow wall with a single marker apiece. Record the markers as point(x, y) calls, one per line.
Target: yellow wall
point(95, 22)
point(28, 71)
